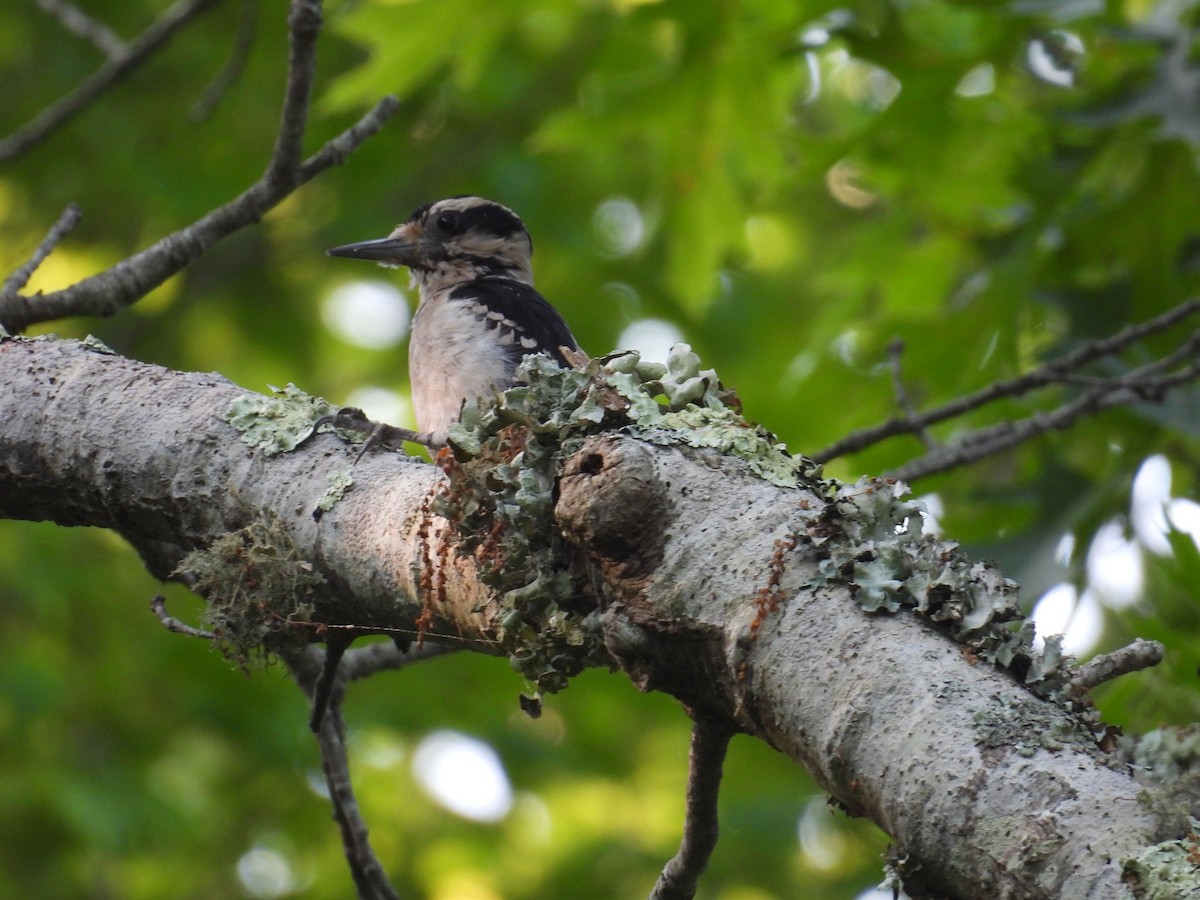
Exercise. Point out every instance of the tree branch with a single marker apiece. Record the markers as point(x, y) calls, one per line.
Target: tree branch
point(20, 277)
point(363, 662)
point(370, 879)
point(116, 68)
point(1141, 384)
point(309, 668)
point(710, 740)
point(1053, 372)
point(304, 26)
point(903, 400)
point(108, 292)
point(888, 714)
point(234, 66)
point(1130, 658)
point(79, 23)
point(158, 606)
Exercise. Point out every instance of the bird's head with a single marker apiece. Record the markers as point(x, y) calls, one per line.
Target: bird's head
point(453, 241)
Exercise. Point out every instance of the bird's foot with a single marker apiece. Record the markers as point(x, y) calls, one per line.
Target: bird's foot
point(376, 434)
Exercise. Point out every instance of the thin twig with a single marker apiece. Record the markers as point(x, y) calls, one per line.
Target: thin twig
point(903, 400)
point(309, 667)
point(1051, 373)
point(365, 868)
point(108, 292)
point(80, 24)
point(335, 151)
point(710, 740)
point(20, 277)
point(1137, 385)
point(304, 26)
point(234, 66)
point(370, 879)
point(159, 607)
point(1139, 655)
point(336, 645)
point(385, 656)
point(342, 665)
point(56, 114)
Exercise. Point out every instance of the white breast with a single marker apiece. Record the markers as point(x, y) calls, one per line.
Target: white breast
point(452, 357)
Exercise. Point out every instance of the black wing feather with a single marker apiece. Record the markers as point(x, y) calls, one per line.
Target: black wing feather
point(529, 313)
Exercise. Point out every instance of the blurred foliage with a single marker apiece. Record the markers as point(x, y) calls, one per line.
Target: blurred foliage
point(797, 184)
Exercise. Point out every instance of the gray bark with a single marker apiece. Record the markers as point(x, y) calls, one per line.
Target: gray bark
point(702, 596)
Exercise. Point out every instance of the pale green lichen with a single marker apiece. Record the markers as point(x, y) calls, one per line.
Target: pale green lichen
point(1167, 762)
point(1014, 721)
point(1167, 871)
point(278, 423)
point(339, 484)
point(93, 343)
point(697, 413)
point(509, 452)
point(1169, 753)
point(873, 539)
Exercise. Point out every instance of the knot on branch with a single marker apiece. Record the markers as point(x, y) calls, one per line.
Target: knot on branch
point(613, 506)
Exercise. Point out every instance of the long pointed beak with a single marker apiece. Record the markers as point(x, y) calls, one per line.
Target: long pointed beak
point(388, 251)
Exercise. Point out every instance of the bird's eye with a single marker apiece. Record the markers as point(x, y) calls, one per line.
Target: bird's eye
point(447, 222)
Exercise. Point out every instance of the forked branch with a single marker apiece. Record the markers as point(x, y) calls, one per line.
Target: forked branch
point(122, 59)
point(1149, 382)
point(108, 292)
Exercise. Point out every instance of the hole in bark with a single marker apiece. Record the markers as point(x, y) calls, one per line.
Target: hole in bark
point(592, 464)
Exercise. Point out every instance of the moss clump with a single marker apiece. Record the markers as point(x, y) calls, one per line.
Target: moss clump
point(258, 589)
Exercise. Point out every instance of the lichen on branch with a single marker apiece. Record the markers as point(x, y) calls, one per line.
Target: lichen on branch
point(278, 423)
point(508, 452)
point(872, 538)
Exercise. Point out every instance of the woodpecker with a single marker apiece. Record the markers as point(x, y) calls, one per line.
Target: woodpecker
point(478, 315)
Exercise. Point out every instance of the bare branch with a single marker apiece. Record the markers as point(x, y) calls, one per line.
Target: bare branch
point(1141, 654)
point(710, 740)
point(370, 879)
point(1138, 385)
point(80, 24)
point(108, 292)
point(363, 662)
point(234, 66)
point(116, 68)
point(20, 277)
point(1053, 372)
point(336, 645)
point(315, 674)
point(159, 607)
point(304, 25)
point(368, 873)
point(335, 151)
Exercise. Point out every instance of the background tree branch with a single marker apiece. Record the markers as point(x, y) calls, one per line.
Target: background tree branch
point(81, 24)
point(121, 61)
point(131, 279)
point(1144, 383)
